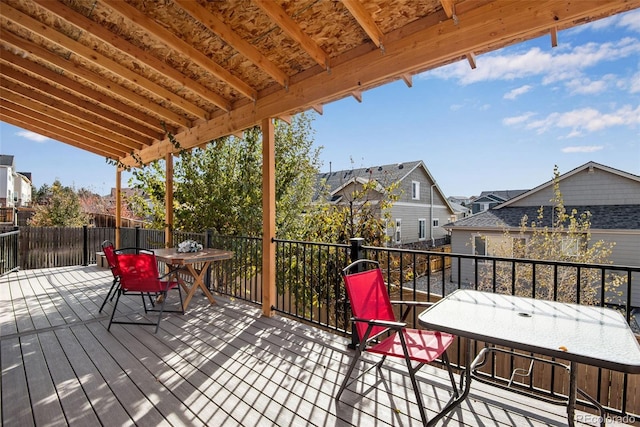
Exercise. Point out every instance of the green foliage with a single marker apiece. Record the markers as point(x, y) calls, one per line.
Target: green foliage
point(219, 187)
point(363, 211)
point(57, 206)
point(568, 239)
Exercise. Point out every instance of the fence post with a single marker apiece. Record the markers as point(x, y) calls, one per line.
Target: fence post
point(207, 245)
point(85, 245)
point(356, 253)
point(137, 241)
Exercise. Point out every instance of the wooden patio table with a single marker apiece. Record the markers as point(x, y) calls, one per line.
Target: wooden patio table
point(184, 262)
point(590, 335)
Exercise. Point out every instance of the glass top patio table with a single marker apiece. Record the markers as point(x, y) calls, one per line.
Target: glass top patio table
point(585, 334)
point(590, 335)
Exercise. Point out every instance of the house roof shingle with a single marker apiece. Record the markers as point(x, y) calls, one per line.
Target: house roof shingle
point(603, 217)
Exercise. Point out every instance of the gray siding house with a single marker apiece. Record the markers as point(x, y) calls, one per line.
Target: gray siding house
point(610, 195)
point(490, 199)
point(419, 213)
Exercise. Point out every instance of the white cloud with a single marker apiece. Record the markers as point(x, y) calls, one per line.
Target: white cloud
point(553, 65)
point(513, 94)
point(630, 21)
point(634, 83)
point(32, 136)
point(582, 149)
point(586, 86)
point(586, 120)
point(516, 120)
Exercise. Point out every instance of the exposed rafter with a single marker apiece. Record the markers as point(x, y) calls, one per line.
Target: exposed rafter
point(164, 35)
point(365, 21)
point(289, 26)
point(238, 43)
point(135, 53)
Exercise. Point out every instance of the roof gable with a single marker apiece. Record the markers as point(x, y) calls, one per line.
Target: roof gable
point(596, 181)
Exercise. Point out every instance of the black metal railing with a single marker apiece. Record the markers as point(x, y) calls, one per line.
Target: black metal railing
point(9, 252)
point(309, 285)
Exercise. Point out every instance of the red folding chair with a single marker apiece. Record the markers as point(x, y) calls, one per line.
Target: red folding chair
point(138, 275)
point(108, 250)
point(379, 332)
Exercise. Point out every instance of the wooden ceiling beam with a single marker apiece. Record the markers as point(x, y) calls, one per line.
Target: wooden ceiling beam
point(139, 55)
point(293, 30)
point(129, 139)
point(422, 50)
point(448, 7)
point(365, 20)
point(145, 113)
point(27, 119)
point(243, 47)
point(162, 34)
point(89, 54)
point(126, 126)
point(71, 123)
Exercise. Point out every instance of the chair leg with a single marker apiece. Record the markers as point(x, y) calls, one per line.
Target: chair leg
point(445, 359)
point(416, 391)
point(114, 309)
point(347, 376)
point(111, 289)
point(164, 300)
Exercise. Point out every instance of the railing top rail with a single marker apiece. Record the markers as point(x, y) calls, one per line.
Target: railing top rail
point(499, 259)
point(9, 233)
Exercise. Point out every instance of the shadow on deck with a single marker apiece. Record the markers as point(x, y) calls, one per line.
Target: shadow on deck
point(219, 365)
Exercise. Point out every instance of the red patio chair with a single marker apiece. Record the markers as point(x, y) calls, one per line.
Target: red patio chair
point(379, 332)
point(108, 250)
point(138, 273)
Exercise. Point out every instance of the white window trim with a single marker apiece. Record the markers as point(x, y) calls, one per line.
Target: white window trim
point(415, 185)
point(435, 222)
point(397, 235)
point(424, 228)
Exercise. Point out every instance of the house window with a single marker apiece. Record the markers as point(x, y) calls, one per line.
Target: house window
point(398, 236)
point(415, 190)
point(422, 229)
point(436, 222)
point(485, 206)
point(479, 245)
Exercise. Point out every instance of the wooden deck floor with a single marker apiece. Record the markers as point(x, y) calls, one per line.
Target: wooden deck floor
point(219, 365)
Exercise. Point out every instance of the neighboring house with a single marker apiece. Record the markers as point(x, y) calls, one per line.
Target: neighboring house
point(610, 195)
point(461, 200)
point(490, 199)
point(7, 177)
point(419, 213)
point(461, 211)
point(15, 187)
point(22, 189)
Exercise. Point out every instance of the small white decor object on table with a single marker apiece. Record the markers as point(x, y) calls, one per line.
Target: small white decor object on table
point(189, 246)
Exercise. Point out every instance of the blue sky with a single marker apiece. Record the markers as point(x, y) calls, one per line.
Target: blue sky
point(501, 126)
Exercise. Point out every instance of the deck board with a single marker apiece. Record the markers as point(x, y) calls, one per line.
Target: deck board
point(222, 364)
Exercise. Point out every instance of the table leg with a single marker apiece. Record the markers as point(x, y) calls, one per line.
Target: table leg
point(573, 390)
point(198, 282)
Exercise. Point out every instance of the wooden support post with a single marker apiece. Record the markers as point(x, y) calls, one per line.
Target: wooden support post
point(268, 217)
point(118, 206)
point(168, 201)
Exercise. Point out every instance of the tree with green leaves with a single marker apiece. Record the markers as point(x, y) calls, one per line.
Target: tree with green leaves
point(362, 211)
point(567, 239)
point(219, 187)
point(57, 206)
